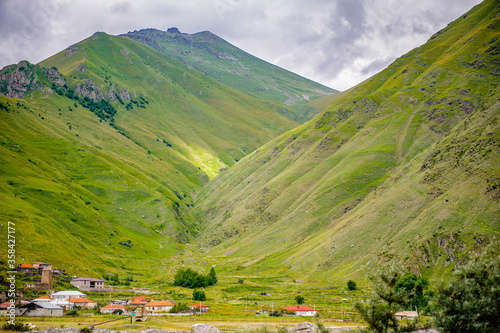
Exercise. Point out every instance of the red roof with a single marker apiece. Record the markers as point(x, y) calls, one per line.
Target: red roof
point(159, 303)
point(298, 308)
point(139, 299)
point(79, 300)
point(44, 297)
point(114, 306)
point(27, 266)
point(197, 305)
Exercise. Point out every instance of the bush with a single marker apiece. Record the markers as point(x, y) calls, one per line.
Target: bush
point(19, 327)
point(199, 295)
point(178, 308)
point(118, 311)
point(351, 285)
point(299, 299)
point(72, 313)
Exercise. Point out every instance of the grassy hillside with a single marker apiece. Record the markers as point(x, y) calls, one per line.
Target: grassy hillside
point(101, 163)
point(403, 166)
point(226, 63)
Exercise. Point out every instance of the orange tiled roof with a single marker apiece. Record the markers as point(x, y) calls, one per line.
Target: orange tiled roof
point(139, 299)
point(44, 297)
point(159, 303)
point(114, 306)
point(27, 266)
point(80, 300)
point(200, 304)
point(298, 308)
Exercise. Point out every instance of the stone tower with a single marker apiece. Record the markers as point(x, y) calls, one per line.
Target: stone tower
point(47, 278)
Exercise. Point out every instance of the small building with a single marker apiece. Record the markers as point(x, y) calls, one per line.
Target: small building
point(68, 294)
point(401, 315)
point(59, 272)
point(27, 269)
point(138, 301)
point(66, 305)
point(158, 306)
point(39, 309)
point(83, 303)
point(110, 308)
point(302, 310)
point(40, 266)
point(199, 307)
point(88, 284)
point(43, 299)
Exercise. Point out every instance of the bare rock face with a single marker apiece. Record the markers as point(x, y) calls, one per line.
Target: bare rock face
point(54, 76)
point(17, 80)
point(305, 327)
point(204, 328)
point(88, 89)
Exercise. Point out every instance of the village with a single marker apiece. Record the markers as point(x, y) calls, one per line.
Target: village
point(51, 301)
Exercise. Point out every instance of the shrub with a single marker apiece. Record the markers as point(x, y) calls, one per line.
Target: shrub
point(199, 295)
point(71, 313)
point(19, 327)
point(351, 285)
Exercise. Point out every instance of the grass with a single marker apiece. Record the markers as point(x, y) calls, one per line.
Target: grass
point(357, 186)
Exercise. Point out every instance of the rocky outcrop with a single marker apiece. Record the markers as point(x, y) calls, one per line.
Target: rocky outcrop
point(88, 89)
point(54, 76)
point(17, 80)
point(204, 328)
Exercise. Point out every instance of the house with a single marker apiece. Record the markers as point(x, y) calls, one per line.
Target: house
point(138, 301)
point(68, 294)
point(58, 271)
point(83, 303)
point(401, 315)
point(39, 309)
point(302, 310)
point(158, 306)
point(110, 308)
point(27, 269)
point(40, 266)
point(43, 299)
point(66, 305)
point(88, 284)
point(199, 307)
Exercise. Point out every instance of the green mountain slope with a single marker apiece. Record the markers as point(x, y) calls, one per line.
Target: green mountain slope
point(228, 64)
point(404, 165)
point(104, 145)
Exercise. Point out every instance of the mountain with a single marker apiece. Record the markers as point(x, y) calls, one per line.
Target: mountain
point(104, 146)
point(403, 166)
point(234, 67)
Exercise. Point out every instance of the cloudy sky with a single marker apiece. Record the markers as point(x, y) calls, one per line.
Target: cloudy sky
point(338, 43)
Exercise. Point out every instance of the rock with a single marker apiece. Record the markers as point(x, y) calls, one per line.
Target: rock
point(88, 89)
point(173, 30)
point(305, 327)
point(204, 328)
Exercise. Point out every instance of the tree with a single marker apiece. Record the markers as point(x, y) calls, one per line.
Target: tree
point(199, 295)
point(471, 301)
point(211, 277)
point(351, 285)
point(413, 287)
point(379, 311)
point(299, 299)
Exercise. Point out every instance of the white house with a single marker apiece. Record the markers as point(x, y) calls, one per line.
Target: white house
point(302, 310)
point(68, 294)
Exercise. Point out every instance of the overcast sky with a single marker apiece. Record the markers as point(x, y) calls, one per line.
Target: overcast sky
point(338, 43)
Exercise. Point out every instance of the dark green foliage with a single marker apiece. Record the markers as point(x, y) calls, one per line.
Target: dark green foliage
point(351, 285)
point(471, 300)
point(86, 330)
point(19, 327)
point(71, 313)
point(179, 307)
point(118, 311)
point(212, 277)
point(191, 279)
point(199, 295)
point(413, 288)
point(299, 299)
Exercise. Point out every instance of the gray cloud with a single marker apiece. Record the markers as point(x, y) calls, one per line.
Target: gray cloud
point(335, 42)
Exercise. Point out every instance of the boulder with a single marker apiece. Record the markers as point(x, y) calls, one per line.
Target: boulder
point(305, 327)
point(204, 328)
